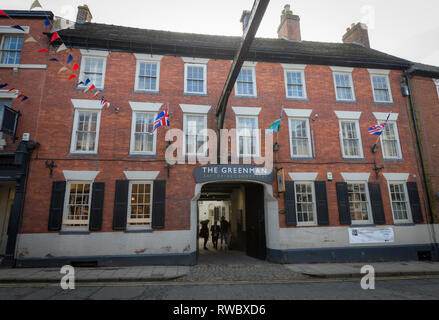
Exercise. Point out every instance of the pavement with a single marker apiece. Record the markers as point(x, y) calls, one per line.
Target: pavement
point(221, 265)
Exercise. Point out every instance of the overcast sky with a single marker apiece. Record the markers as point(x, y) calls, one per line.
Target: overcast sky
point(404, 28)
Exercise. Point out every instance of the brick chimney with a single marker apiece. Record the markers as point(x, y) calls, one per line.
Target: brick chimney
point(289, 27)
point(84, 14)
point(358, 34)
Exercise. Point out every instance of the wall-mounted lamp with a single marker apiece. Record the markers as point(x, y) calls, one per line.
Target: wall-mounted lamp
point(404, 88)
point(315, 117)
point(377, 170)
point(116, 109)
point(50, 165)
point(276, 146)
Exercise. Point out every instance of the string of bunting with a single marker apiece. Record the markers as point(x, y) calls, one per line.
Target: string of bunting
point(62, 47)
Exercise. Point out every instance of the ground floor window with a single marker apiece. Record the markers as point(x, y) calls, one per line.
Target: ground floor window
point(358, 202)
point(400, 205)
point(77, 208)
point(305, 206)
point(140, 203)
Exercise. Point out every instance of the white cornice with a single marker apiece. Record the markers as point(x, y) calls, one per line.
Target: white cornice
point(355, 176)
point(141, 175)
point(87, 104)
point(80, 175)
point(288, 66)
point(195, 60)
point(382, 116)
point(303, 176)
point(348, 115)
point(246, 111)
point(396, 176)
point(10, 30)
point(379, 72)
point(148, 57)
point(249, 64)
point(342, 69)
point(145, 106)
point(99, 53)
point(8, 95)
point(193, 108)
point(298, 113)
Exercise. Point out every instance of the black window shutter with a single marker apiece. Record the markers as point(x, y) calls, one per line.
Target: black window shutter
point(120, 205)
point(290, 203)
point(321, 203)
point(343, 202)
point(158, 204)
point(376, 203)
point(415, 204)
point(57, 205)
point(97, 204)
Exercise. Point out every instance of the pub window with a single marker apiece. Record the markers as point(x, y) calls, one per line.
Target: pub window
point(359, 203)
point(399, 200)
point(305, 203)
point(140, 203)
point(77, 204)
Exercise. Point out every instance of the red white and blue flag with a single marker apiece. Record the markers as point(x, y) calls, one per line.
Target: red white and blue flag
point(161, 120)
point(379, 128)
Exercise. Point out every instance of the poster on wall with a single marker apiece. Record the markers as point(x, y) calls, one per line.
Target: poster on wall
point(371, 235)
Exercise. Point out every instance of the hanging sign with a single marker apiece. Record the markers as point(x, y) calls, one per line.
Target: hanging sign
point(223, 172)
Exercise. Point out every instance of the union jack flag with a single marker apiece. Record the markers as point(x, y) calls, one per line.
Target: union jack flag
point(161, 120)
point(379, 128)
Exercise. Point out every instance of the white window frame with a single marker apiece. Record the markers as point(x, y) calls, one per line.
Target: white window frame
point(97, 54)
point(152, 59)
point(130, 225)
point(398, 144)
point(308, 132)
point(343, 71)
point(314, 207)
point(383, 74)
point(295, 68)
point(357, 127)
point(369, 206)
point(195, 62)
point(5, 96)
point(15, 35)
point(252, 67)
point(204, 152)
point(256, 130)
point(407, 200)
point(86, 106)
point(436, 82)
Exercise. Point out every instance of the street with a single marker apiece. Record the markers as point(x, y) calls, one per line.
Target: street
point(401, 288)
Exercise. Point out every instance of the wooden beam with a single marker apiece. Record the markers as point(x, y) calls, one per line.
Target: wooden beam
point(258, 11)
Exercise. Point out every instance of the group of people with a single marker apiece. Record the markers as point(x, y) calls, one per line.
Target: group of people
point(218, 231)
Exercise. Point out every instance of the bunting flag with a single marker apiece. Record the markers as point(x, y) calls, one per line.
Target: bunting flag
point(20, 96)
point(43, 50)
point(30, 39)
point(102, 100)
point(17, 27)
point(75, 66)
point(24, 98)
point(69, 59)
point(81, 82)
point(46, 22)
point(62, 69)
point(3, 13)
point(91, 88)
point(35, 4)
point(72, 76)
point(62, 47)
point(2, 85)
point(96, 94)
point(54, 59)
point(12, 89)
point(54, 36)
point(87, 82)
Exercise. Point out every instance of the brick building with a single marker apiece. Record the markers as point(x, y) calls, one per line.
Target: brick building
point(112, 198)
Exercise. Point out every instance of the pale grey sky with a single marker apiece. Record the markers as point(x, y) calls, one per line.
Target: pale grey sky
point(405, 28)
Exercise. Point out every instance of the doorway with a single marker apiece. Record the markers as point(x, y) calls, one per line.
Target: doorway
point(242, 205)
point(7, 194)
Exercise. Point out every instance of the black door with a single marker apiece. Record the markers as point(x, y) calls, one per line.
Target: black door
point(255, 222)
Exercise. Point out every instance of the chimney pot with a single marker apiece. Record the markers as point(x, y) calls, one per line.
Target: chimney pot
point(289, 27)
point(357, 33)
point(84, 14)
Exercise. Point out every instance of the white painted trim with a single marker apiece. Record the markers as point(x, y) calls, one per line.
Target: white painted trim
point(246, 111)
point(355, 176)
point(388, 87)
point(308, 132)
point(24, 66)
point(204, 66)
point(314, 206)
point(203, 153)
point(298, 113)
point(98, 53)
point(302, 72)
point(340, 133)
point(399, 156)
point(396, 176)
point(436, 81)
point(87, 104)
point(288, 66)
point(4, 94)
point(10, 30)
point(341, 69)
point(250, 64)
point(256, 132)
point(253, 70)
point(141, 175)
point(195, 60)
point(407, 202)
point(381, 72)
point(348, 115)
point(303, 176)
point(382, 116)
point(80, 175)
point(194, 108)
point(145, 106)
point(148, 57)
point(133, 130)
point(75, 125)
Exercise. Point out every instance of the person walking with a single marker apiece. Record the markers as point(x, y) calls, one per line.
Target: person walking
point(224, 230)
point(204, 232)
point(215, 230)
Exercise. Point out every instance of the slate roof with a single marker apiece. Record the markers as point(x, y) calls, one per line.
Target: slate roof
point(424, 70)
point(119, 38)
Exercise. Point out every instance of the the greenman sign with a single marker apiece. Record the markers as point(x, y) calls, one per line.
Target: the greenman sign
point(225, 172)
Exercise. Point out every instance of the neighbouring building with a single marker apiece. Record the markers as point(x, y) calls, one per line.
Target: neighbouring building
point(100, 191)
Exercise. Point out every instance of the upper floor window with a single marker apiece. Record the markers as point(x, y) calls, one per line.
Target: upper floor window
point(436, 81)
point(389, 138)
point(85, 135)
point(93, 66)
point(295, 85)
point(246, 81)
point(248, 136)
point(381, 85)
point(300, 138)
point(350, 135)
point(344, 87)
point(195, 75)
point(195, 134)
point(11, 49)
point(147, 72)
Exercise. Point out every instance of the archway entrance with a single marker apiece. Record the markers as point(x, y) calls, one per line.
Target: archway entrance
point(242, 205)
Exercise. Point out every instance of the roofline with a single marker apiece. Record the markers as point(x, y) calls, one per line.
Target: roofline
point(227, 53)
point(423, 73)
point(27, 14)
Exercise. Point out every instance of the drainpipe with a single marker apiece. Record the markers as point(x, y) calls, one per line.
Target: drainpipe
point(424, 176)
